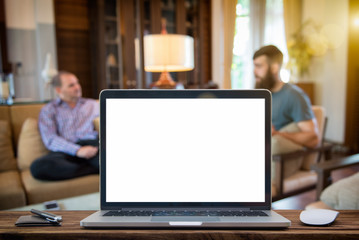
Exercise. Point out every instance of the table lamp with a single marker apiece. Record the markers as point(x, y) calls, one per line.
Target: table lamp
point(168, 53)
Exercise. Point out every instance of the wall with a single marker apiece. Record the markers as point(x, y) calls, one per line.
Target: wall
point(329, 72)
point(30, 35)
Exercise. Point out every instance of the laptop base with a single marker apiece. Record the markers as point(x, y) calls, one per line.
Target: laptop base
point(97, 220)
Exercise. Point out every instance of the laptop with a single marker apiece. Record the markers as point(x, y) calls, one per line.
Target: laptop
point(185, 159)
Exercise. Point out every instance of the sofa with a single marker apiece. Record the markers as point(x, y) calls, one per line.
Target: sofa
point(20, 145)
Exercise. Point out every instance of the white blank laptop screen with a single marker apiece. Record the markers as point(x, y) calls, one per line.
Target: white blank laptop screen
point(185, 150)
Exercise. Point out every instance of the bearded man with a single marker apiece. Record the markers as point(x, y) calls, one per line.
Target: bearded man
point(293, 123)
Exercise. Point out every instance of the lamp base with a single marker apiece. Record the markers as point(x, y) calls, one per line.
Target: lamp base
point(164, 82)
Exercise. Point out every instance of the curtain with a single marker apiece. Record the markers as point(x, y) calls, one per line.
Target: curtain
point(229, 19)
point(292, 13)
point(258, 17)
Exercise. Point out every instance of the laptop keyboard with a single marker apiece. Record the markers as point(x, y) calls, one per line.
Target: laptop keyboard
point(187, 213)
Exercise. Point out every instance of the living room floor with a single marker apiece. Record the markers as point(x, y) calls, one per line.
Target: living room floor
point(301, 200)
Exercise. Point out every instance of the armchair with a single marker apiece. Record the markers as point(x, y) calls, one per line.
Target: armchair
point(304, 179)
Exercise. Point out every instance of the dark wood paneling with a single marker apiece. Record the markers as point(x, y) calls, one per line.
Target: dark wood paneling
point(181, 29)
point(155, 16)
point(180, 17)
point(352, 106)
point(73, 41)
point(72, 15)
point(97, 33)
point(308, 88)
point(5, 66)
point(81, 44)
point(205, 33)
point(140, 14)
point(205, 42)
point(128, 33)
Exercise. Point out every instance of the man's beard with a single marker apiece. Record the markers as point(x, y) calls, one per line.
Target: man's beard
point(267, 82)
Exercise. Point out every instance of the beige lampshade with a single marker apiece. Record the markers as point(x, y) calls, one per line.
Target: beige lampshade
point(168, 52)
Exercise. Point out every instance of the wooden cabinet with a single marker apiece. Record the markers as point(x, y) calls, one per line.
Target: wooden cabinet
point(309, 89)
point(117, 30)
point(73, 42)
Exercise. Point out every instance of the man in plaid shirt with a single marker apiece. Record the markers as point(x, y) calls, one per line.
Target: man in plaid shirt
point(67, 130)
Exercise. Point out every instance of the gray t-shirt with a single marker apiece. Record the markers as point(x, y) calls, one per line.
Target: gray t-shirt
point(290, 104)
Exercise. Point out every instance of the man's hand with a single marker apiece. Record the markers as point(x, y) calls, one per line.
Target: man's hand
point(274, 132)
point(87, 152)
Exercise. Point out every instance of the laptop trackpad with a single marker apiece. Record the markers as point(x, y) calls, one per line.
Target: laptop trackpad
point(185, 219)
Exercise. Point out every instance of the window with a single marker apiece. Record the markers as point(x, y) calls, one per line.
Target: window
point(242, 73)
point(274, 31)
point(241, 55)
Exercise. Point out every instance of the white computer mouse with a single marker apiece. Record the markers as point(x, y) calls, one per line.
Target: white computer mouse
point(318, 217)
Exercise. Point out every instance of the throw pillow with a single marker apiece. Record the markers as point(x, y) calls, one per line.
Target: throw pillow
point(7, 160)
point(30, 145)
point(96, 123)
point(282, 145)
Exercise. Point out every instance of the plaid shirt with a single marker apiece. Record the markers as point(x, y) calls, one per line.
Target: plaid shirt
point(62, 126)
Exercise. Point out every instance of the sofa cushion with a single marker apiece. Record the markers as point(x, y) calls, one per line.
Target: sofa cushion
point(299, 180)
point(11, 192)
point(40, 191)
point(274, 191)
point(96, 123)
point(19, 113)
point(343, 194)
point(7, 160)
point(5, 113)
point(281, 145)
point(30, 146)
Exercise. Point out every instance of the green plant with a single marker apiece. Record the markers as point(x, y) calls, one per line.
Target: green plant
point(305, 44)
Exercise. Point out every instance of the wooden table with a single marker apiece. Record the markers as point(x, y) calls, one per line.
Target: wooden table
point(346, 226)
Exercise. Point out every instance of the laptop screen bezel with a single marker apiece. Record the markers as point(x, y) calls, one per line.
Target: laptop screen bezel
point(246, 94)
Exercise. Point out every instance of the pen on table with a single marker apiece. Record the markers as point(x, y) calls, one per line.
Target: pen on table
point(48, 216)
